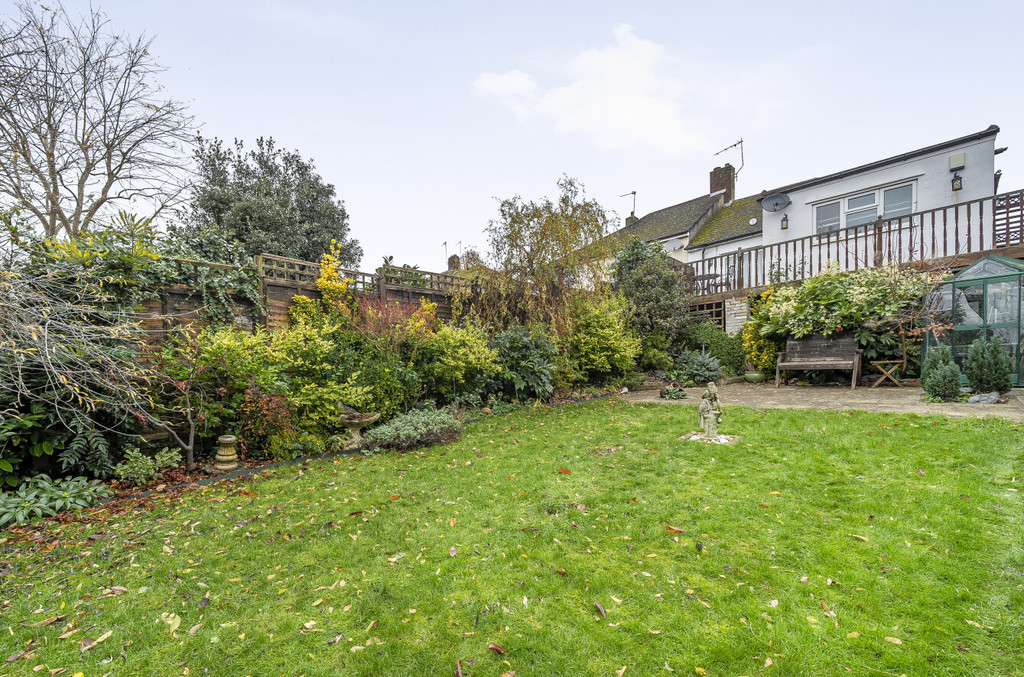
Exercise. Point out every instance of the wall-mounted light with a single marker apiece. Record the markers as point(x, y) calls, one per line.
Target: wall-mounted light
point(785, 221)
point(958, 182)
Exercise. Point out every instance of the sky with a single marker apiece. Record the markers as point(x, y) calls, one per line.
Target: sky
point(423, 115)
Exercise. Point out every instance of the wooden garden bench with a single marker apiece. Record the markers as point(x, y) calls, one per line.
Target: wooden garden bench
point(820, 353)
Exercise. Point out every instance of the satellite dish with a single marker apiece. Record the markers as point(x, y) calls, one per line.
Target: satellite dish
point(775, 202)
point(673, 244)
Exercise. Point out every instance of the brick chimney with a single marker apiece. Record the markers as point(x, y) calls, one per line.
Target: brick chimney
point(453, 262)
point(631, 219)
point(724, 178)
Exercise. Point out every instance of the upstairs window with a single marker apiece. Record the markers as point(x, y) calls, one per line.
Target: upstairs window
point(826, 217)
point(864, 208)
point(899, 201)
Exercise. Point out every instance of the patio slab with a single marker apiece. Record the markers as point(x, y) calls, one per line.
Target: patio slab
point(908, 400)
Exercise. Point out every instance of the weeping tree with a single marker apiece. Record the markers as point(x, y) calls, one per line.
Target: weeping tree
point(542, 254)
point(84, 125)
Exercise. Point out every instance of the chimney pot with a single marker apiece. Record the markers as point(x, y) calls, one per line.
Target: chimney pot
point(453, 262)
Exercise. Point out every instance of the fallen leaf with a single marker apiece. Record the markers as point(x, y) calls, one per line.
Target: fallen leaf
point(621, 672)
point(395, 496)
point(774, 603)
point(704, 603)
point(979, 625)
point(601, 610)
point(356, 648)
point(654, 632)
point(894, 640)
point(862, 538)
point(673, 530)
point(509, 673)
point(565, 471)
point(496, 649)
point(452, 552)
point(767, 662)
point(812, 620)
point(204, 601)
point(88, 644)
point(668, 667)
point(852, 635)
point(48, 621)
point(700, 671)
point(372, 625)
point(561, 572)
point(335, 639)
point(458, 668)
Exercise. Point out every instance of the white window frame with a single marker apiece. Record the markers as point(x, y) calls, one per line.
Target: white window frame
point(846, 210)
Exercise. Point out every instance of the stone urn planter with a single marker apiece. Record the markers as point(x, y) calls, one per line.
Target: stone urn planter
point(355, 424)
point(755, 377)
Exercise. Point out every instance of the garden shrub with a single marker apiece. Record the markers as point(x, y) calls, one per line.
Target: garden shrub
point(261, 415)
point(286, 445)
point(654, 353)
point(41, 496)
point(878, 305)
point(598, 343)
point(456, 359)
point(658, 302)
point(727, 349)
point(526, 356)
point(138, 468)
point(317, 404)
point(940, 377)
point(987, 366)
point(697, 367)
point(418, 428)
point(759, 350)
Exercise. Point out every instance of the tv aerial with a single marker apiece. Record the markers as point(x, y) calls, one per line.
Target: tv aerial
point(742, 161)
point(633, 193)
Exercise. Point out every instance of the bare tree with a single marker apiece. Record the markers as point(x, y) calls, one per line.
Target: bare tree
point(82, 121)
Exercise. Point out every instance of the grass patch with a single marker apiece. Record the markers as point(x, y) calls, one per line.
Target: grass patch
point(906, 528)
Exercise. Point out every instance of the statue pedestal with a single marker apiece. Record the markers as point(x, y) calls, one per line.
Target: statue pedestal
point(227, 457)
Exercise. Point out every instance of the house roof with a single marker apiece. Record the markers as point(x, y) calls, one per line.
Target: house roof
point(730, 223)
point(992, 130)
point(668, 222)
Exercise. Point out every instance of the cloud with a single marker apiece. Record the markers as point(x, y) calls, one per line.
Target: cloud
point(617, 96)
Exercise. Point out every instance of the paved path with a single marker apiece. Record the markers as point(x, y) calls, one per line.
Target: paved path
point(902, 400)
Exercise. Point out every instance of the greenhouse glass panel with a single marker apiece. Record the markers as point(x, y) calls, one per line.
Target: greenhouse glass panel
point(1003, 306)
point(970, 304)
point(987, 268)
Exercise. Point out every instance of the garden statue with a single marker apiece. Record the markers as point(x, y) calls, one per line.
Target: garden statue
point(709, 414)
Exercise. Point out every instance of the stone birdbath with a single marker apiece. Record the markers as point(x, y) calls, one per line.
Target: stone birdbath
point(355, 423)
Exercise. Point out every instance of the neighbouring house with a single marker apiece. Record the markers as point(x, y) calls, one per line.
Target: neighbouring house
point(939, 202)
point(677, 227)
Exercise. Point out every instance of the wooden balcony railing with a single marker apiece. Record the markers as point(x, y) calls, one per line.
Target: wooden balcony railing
point(947, 233)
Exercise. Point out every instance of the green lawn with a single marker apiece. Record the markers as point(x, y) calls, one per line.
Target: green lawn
point(821, 543)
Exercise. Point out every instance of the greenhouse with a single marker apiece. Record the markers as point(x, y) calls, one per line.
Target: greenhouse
point(982, 301)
